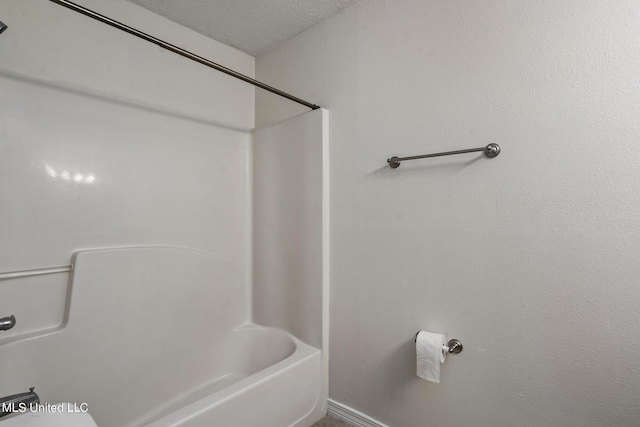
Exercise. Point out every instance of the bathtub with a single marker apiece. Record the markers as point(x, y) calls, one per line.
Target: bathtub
point(272, 379)
point(157, 337)
point(268, 378)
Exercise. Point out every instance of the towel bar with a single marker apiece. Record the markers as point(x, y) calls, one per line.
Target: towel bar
point(491, 150)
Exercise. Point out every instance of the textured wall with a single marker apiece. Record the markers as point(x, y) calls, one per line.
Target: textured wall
point(530, 259)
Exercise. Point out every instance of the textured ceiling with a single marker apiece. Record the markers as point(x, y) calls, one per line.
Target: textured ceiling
point(253, 26)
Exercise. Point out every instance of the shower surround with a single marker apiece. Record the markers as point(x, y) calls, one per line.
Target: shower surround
point(198, 244)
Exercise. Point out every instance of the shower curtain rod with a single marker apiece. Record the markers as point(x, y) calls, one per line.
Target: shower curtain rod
point(180, 51)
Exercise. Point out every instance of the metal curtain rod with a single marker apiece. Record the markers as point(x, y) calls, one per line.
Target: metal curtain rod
point(36, 272)
point(491, 150)
point(180, 51)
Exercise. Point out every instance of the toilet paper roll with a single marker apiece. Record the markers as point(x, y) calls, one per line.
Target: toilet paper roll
point(429, 355)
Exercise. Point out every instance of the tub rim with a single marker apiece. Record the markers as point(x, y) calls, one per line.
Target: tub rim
point(301, 353)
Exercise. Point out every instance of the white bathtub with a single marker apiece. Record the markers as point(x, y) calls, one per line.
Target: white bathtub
point(265, 377)
point(271, 379)
point(152, 338)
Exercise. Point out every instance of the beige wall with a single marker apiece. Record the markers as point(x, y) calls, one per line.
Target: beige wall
point(530, 259)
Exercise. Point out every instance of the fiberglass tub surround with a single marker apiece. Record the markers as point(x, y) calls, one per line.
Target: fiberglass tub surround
point(197, 294)
point(163, 335)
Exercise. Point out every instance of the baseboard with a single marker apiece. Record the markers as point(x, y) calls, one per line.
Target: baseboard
point(351, 416)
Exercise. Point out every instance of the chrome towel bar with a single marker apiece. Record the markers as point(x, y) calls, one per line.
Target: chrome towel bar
point(491, 150)
point(36, 272)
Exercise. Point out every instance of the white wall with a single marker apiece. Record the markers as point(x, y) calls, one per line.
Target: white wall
point(110, 141)
point(530, 259)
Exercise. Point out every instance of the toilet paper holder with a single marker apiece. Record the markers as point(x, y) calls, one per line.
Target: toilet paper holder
point(453, 346)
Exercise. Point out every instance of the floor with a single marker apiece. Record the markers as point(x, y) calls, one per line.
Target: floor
point(330, 422)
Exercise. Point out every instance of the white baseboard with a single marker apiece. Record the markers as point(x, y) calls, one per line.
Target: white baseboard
point(351, 416)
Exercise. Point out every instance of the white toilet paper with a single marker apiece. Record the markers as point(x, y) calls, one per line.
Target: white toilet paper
point(429, 355)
